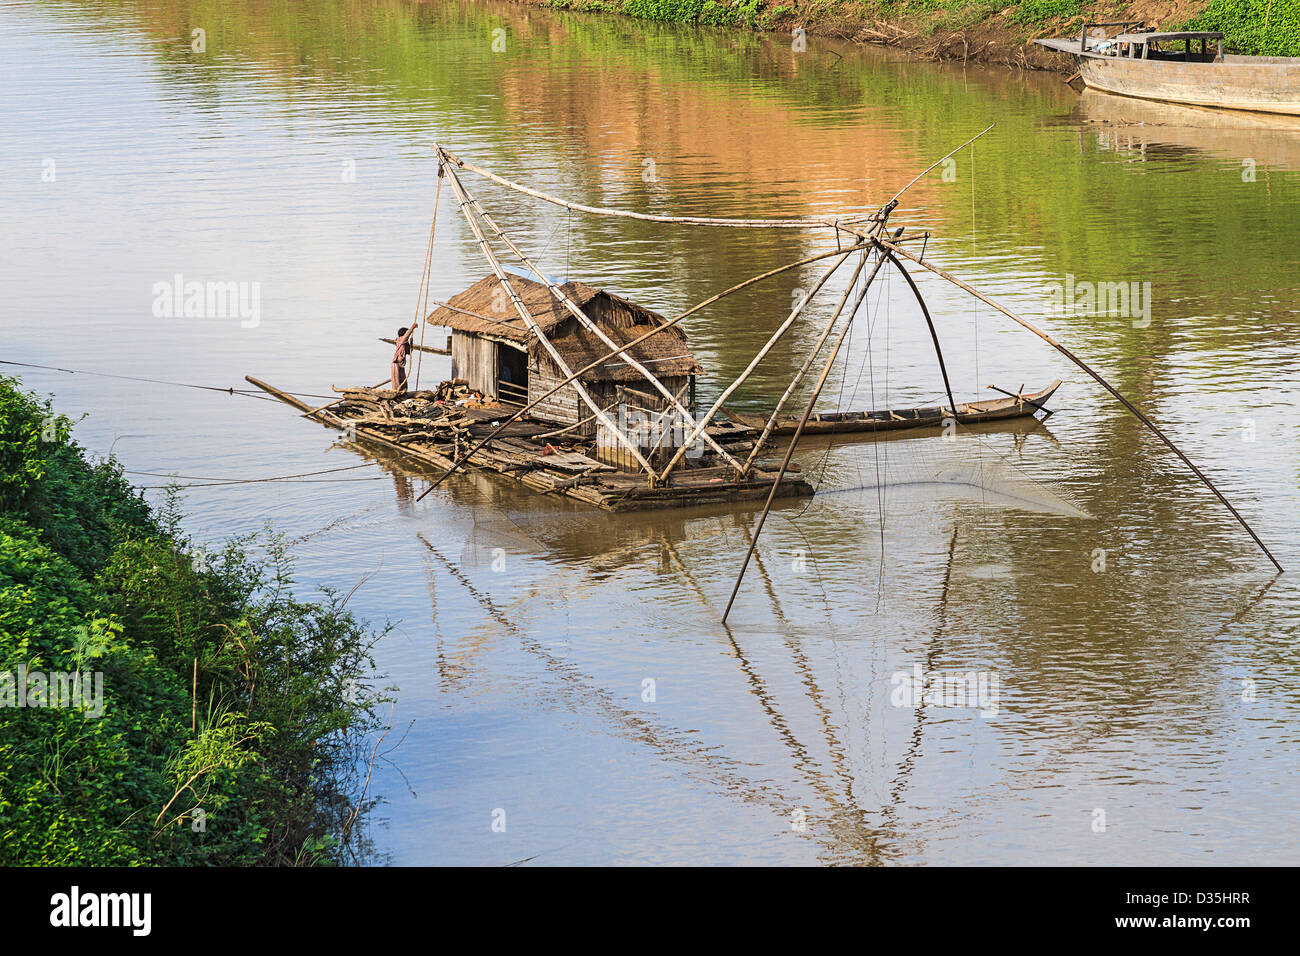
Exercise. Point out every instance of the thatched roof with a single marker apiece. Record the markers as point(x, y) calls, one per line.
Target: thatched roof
point(479, 310)
point(487, 309)
point(666, 354)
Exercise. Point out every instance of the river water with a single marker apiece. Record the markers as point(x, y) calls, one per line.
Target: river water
point(566, 693)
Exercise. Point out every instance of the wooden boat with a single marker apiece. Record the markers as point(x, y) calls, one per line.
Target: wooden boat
point(932, 416)
point(1167, 66)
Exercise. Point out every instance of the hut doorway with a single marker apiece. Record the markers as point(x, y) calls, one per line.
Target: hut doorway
point(512, 375)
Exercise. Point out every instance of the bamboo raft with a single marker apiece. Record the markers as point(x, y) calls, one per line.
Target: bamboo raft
point(431, 433)
point(895, 419)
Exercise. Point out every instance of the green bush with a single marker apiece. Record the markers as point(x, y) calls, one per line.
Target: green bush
point(1256, 27)
point(232, 712)
point(710, 12)
point(679, 11)
point(718, 15)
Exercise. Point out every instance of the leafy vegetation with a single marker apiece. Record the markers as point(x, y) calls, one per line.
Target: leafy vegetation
point(945, 14)
point(752, 13)
point(1256, 27)
point(232, 713)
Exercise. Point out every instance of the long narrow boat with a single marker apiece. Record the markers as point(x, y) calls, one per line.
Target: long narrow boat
point(893, 419)
point(1168, 66)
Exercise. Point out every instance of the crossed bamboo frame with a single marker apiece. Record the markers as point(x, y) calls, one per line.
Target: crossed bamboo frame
point(870, 240)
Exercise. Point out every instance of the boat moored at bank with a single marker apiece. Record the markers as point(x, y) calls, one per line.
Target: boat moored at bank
point(1180, 67)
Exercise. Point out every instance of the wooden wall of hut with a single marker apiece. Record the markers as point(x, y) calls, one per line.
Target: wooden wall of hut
point(564, 407)
point(474, 359)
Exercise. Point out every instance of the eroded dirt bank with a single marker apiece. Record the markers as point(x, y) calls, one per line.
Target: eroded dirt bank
point(995, 31)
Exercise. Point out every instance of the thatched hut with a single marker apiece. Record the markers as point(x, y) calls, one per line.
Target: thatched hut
point(494, 351)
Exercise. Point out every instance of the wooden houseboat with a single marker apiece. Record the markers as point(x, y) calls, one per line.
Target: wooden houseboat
point(497, 355)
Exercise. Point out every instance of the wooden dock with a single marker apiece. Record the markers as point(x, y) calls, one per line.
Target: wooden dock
point(431, 433)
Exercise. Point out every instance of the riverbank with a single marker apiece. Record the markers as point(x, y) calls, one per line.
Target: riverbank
point(162, 704)
point(987, 31)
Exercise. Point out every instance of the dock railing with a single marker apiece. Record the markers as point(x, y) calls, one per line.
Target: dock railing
point(511, 394)
point(1124, 26)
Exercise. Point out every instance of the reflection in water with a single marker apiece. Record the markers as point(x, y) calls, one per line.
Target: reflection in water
point(1144, 664)
point(1146, 127)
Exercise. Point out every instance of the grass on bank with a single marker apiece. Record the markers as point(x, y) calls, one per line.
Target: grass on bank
point(761, 14)
point(233, 712)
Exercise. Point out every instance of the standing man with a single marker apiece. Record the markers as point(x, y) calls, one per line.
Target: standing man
point(401, 354)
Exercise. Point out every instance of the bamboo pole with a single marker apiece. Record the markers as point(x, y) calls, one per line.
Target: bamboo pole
point(428, 265)
point(796, 222)
point(432, 350)
point(812, 357)
point(800, 222)
point(934, 335)
point(536, 328)
point(762, 353)
point(475, 315)
point(785, 462)
point(1137, 413)
point(893, 202)
point(591, 326)
point(640, 338)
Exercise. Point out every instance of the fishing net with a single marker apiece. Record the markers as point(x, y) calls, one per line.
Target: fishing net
point(953, 462)
point(965, 467)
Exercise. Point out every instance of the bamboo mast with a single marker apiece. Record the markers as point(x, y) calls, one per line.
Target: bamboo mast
point(798, 222)
point(749, 369)
point(535, 327)
point(641, 338)
point(789, 453)
point(428, 265)
point(812, 357)
point(1100, 381)
point(591, 326)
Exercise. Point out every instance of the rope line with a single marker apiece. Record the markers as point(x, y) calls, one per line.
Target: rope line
point(422, 309)
point(231, 390)
point(305, 474)
point(248, 481)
